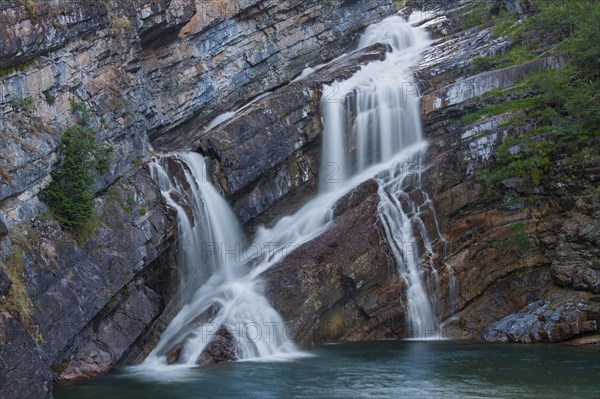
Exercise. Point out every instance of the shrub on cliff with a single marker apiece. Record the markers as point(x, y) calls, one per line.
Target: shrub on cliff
point(70, 195)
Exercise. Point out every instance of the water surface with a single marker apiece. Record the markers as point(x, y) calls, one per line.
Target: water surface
point(383, 369)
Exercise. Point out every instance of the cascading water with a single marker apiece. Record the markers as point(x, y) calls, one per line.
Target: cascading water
point(214, 250)
point(387, 123)
point(388, 145)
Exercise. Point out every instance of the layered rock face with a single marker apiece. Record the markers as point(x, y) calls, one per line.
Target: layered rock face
point(522, 264)
point(516, 264)
point(85, 303)
point(139, 73)
point(147, 72)
point(343, 285)
point(271, 149)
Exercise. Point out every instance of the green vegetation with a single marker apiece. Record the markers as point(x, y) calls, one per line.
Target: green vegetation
point(17, 68)
point(518, 240)
point(27, 104)
point(280, 112)
point(479, 15)
point(30, 7)
point(18, 302)
point(69, 196)
point(501, 108)
point(81, 111)
point(515, 56)
point(562, 106)
point(49, 97)
point(5, 175)
point(58, 368)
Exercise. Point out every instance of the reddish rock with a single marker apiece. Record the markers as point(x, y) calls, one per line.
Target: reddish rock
point(343, 285)
point(221, 349)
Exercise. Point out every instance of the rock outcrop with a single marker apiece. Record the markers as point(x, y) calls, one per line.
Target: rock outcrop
point(21, 362)
point(270, 149)
point(140, 74)
point(146, 72)
point(343, 285)
point(86, 302)
point(518, 263)
point(522, 258)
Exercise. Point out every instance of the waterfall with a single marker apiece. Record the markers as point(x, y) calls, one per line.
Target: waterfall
point(388, 123)
point(216, 261)
point(223, 271)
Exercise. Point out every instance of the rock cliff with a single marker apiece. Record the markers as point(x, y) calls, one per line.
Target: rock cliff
point(517, 259)
point(518, 256)
point(140, 75)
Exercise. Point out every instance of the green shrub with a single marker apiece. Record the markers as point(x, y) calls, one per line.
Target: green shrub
point(50, 98)
point(519, 238)
point(501, 108)
point(69, 196)
point(563, 105)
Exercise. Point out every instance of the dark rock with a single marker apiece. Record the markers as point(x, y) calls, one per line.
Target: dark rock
point(28, 30)
point(182, 63)
point(71, 284)
point(265, 152)
point(341, 285)
point(104, 343)
point(221, 349)
point(542, 321)
point(23, 370)
point(514, 6)
point(355, 197)
point(3, 229)
point(5, 283)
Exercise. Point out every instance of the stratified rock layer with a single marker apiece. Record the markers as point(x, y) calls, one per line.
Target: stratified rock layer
point(343, 285)
point(137, 73)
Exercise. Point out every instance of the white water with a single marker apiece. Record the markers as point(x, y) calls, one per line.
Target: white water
point(388, 145)
point(387, 122)
point(212, 242)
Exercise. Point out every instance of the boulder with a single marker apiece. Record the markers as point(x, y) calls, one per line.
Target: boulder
point(221, 349)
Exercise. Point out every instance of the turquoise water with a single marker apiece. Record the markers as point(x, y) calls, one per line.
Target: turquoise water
point(383, 369)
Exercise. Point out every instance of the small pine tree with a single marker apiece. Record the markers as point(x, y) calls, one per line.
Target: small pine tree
point(70, 195)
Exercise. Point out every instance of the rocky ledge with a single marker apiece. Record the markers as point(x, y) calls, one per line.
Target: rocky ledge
point(521, 263)
point(344, 284)
point(141, 74)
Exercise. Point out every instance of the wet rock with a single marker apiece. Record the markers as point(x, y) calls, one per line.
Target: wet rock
point(342, 285)
point(355, 197)
point(265, 152)
point(221, 349)
point(23, 370)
